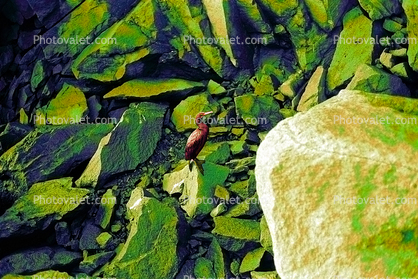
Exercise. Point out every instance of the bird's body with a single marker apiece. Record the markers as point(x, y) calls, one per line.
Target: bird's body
point(196, 141)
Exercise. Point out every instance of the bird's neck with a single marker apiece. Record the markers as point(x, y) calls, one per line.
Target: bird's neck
point(203, 126)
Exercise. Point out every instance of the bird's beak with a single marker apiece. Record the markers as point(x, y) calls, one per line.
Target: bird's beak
point(209, 112)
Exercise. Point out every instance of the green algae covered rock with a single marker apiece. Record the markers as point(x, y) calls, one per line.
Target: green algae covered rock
point(204, 268)
point(188, 23)
point(265, 237)
point(42, 274)
point(151, 248)
point(44, 203)
point(93, 262)
point(411, 11)
point(358, 220)
point(152, 88)
point(236, 234)
point(31, 261)
point(125, 42)
point(38, 158)
point(197, 198)
point(264, 275)
point(134, 140)
point(349, 55)
point(216, 255)
point(378, 9)
point(38, 75)
point(68, 107)
point(217, 153)
point(184, 114)
point(371, 79)
point(327, 13)
point(252, 260)
point(258, 111)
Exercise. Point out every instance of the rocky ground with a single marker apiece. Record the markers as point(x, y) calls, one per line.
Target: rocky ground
point(108, 123)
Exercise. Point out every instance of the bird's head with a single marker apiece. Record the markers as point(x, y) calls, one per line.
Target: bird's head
point(200, 115)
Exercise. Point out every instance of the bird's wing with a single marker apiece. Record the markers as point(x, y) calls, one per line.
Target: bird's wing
point(194, 145)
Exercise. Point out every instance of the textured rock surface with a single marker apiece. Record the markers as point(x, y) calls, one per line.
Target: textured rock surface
point(133, 140)
point(371, 79)
point(38, 259)
point(44, 203)
point(348, 54)
point(314, 232)
point(32, 160)
point(146, 249)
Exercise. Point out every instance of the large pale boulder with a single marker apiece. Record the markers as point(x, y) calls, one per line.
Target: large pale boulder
point(339, 197)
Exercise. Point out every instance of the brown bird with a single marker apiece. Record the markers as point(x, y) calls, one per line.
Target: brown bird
point(196, 141)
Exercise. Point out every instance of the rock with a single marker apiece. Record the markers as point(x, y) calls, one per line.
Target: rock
point(264, 275)
point(226, 26)
point(236, 234)
point(146, 89)
point(44, 203)
point(215, 255)
point(88, 237)
point(204, 269)
point(370, 233)
point(402, 70)
point(31, 160)
point(258, 111)
point(146, 249)
point(387, 59)
point(68, 107)
point(221, 193)
point(236, 163)
point(411, 11)
point(252, 260)
point(38, 75)
point(265, 237)
point(13, 133)
point(251, 16)
point(264, 86)
point(42, 274)
point(38, 259)
point(378, 9)
point(291, 86)
point(287, 112)
point(134, 139)
point(251, 137)
point(402, 52)
point(93, 262)
point(184, 114)
point(215, 88)
point(371, 79)
point(391, 25)
point(244, 189)
point(186, 270)
point(314, 92)
point(190, 25)
point(62, 234)
point(218, 210)
point(173, 183)
point(217, 153)
point(327, 13)
point(197, 198)
point(106, 208)
point(238, 147)
point(247, 208)
point(104, 239)
point(348, 54)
